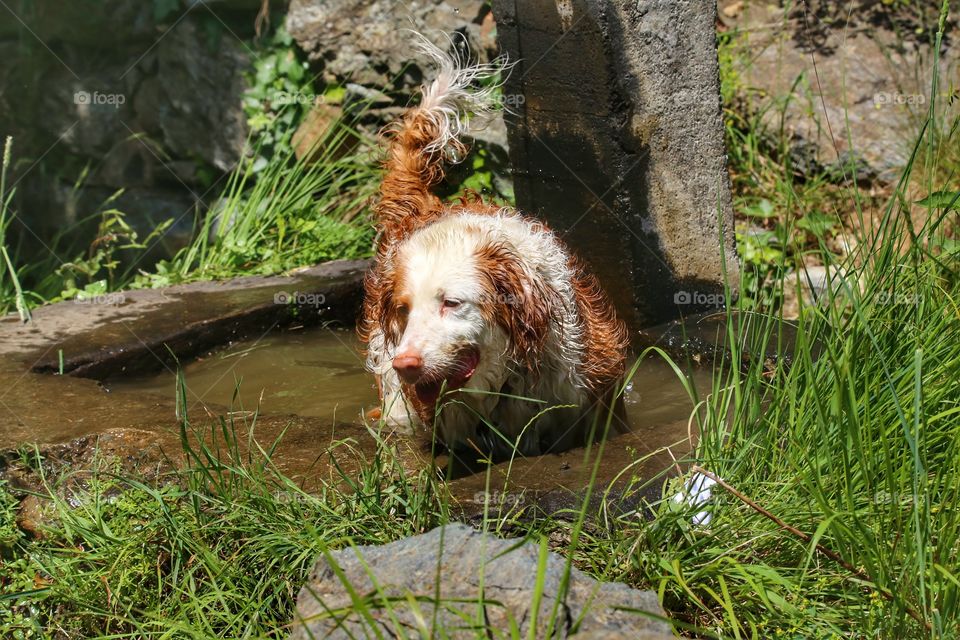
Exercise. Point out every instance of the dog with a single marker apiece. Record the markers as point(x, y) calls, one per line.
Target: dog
point(481, 326)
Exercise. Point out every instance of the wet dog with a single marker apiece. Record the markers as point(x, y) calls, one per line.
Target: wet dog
point(481, 326)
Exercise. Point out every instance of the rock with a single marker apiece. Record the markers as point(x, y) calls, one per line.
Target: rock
point(618, 142)
point(87, 113)
point(35, 515)
point(359, 95)
point(232, 5)
point(493, 133)
point(328, 31)
point(812, 285)
point(51, 205)
point(147, 103)
point(201, 109)
point(457, 556)
point(100, 24)
point(97, 341)
point(703, 339)
point(8, 51)
point(825, 73)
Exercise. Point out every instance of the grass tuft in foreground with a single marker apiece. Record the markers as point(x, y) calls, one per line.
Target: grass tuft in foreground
point(218, 549)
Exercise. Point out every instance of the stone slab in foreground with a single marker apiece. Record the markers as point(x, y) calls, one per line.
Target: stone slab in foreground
point(452, 561)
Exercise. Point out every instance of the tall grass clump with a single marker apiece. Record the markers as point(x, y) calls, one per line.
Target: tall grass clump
point(218, 548)
point(836, 452)
point(289, 213)
point(11, 293)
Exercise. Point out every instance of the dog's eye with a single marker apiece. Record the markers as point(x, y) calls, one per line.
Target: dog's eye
point(450, 303)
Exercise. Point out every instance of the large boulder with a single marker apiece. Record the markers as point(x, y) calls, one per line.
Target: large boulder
point(98, 24)
point(852, 88)
point(450, 563)
point(200, 109)
point(85, 107)
point(151, 115)
point(370, 43)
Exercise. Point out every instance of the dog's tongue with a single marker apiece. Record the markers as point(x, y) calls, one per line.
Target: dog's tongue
point(429, 392)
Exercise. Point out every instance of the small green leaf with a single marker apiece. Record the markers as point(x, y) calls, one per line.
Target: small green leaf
point(949, 246)
point(762, 209)
point(818, 224)
point(942, 200)
point(334, 94)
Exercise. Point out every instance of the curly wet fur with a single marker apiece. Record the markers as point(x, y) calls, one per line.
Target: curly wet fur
point(471, 275)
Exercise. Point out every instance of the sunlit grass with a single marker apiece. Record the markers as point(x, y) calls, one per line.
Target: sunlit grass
point(291, 213)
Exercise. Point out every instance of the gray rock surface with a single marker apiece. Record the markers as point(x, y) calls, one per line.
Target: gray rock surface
point(618, 142)
point(85, 107)
point(200, 111)
point(142, 102)
point(827, 73)
point(96, 339)
point(452, 560)
point(370, 43)
point(102, 24)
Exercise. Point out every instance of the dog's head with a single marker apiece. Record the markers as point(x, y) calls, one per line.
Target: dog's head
point(457, 303)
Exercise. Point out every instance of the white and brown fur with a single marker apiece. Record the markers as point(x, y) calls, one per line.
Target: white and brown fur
point(479, 295)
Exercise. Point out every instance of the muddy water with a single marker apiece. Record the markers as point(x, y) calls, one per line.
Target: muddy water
point(318, 373)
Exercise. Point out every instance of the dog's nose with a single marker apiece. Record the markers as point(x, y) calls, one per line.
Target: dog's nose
point(409, 366)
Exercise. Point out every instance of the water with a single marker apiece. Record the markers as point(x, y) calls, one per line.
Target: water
point(319, 373)
point(311, 385)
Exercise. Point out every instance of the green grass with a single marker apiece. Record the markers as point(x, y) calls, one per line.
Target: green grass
point(11, 292)
point(218, 550)
point(855, 445)
point(269, 218)
point(272, 214)
point(290, 214)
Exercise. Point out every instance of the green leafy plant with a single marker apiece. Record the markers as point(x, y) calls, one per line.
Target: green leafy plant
point(281, 92)
point(97, 272)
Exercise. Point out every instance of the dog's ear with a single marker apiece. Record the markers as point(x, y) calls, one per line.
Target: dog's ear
point(517, 299)
point(380, 305)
